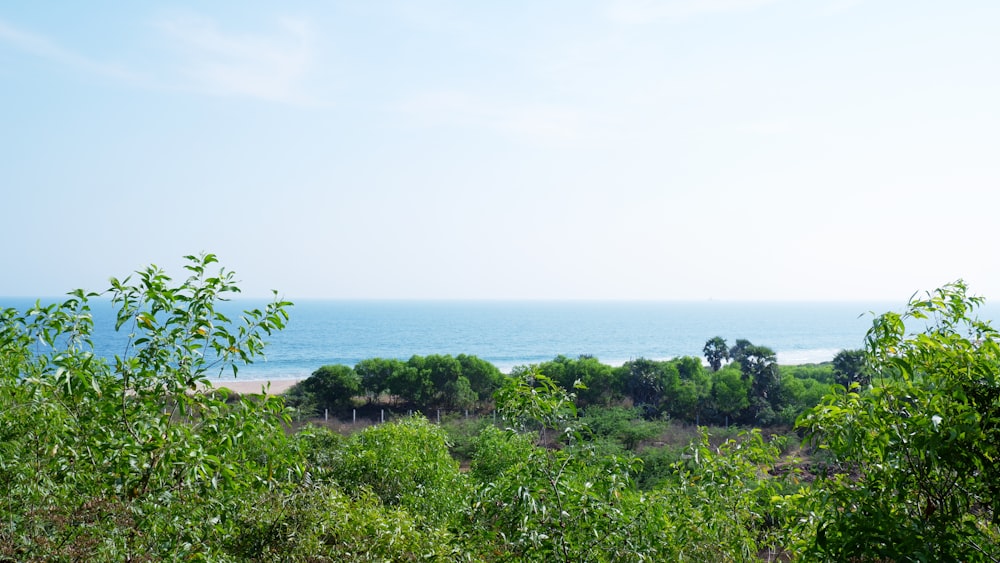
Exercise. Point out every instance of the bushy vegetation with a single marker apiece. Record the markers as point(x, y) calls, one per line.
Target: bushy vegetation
point(751, 390)
point(421, 383)
point(138, 458)
point(126, 460)
point(916, 474)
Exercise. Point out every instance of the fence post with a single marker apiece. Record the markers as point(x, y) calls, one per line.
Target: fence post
point(326, 415)
point(383, 415)
point(354, 416)
point(439, 416)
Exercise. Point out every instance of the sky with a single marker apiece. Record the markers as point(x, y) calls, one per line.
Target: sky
point(437, 149)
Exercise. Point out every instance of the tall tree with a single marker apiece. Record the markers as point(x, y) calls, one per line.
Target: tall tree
point(647, 380)
point(716, 352)
point(739, 349)
point(443, 372)
point(849, 367)
point(759, 365)
point(375, 374)
point(484, 377)
point(730, 391)
point(602, 383)
point(333, 386)
point(693, 390)
point(411, 383)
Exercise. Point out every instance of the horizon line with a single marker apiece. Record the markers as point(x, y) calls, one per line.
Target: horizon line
point(243, 297)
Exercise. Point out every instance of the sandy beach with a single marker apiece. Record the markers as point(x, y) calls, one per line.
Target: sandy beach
point(247, 386)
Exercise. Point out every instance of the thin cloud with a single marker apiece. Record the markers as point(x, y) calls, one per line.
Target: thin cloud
point(540, 124)
point(223, 63)
point(838, 6)
point(650, 11)
point(45, 48)
point(212, 61)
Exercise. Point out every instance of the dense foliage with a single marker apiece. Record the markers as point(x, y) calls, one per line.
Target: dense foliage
point(915, 474)
point(422, 382)
point(752, 389)
point(138, 458)
point(107, 460)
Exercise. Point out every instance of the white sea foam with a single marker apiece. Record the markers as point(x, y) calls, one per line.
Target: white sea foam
point(799, 357)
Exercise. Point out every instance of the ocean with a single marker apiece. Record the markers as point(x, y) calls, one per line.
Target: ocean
point(512, 333)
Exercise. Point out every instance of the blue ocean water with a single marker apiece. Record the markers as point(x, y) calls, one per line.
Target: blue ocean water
point(511, 333)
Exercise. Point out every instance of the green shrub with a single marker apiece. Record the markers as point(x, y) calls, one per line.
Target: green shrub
point(462, 433)
point(404, 463)
point(658, 466)
point(624, 425)
point(496, 451)
point(916, 476)
point(332, 387)
point(127, 459)
point(321, 523)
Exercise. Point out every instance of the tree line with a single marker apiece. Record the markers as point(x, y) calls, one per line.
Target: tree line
point(422, 382)
point(741, 384)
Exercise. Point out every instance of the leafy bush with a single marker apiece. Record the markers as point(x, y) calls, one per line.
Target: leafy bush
point(728, 501)
point(404, 463)
point(624, 425)
point(658, 467)
point(823, 373)
point(324, 524)
point(540, 504)
point(462, 435)
point(916, 475)
point(330, 387)
point(130, 459)
point(497, 451)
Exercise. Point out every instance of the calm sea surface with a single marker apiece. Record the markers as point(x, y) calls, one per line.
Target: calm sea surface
point(510, 333)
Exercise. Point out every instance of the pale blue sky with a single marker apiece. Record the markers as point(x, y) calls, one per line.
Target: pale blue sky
point(680, 149)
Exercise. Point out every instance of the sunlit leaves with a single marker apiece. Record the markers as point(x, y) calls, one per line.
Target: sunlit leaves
point(405, 463)
point(915, 475)
point(109, 460)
